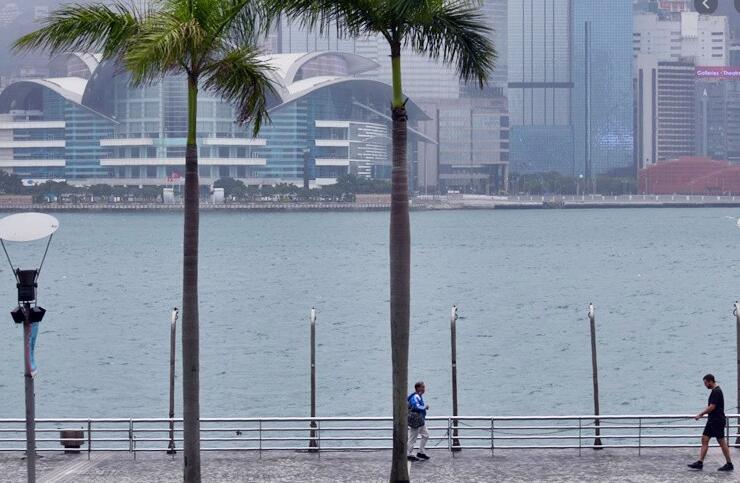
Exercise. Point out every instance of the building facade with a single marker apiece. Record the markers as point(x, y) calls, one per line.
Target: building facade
point(96, 128)
point(472, 149)
point(601, 114)
point(705, 39)
point(666, 110)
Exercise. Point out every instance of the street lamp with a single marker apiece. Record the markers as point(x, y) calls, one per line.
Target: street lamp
point(26, 227)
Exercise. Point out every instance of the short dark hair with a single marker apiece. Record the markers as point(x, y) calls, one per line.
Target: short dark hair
point(418, 384)
point(709, 377)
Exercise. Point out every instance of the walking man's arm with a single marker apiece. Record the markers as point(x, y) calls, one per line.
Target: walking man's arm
point(706, 410)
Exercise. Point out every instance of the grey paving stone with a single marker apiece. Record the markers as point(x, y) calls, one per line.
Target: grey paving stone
point(468, 466)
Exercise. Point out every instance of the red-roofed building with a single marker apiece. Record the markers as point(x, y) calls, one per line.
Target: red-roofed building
point(690, 175)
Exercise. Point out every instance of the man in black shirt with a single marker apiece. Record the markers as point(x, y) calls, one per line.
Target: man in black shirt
point(715, 427)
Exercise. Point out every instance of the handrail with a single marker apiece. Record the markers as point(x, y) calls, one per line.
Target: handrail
point(342, 433)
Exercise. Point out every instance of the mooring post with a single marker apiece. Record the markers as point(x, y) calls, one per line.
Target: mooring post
point(312, 444)
point(173, 341)
point(736, 312)
point(594, 367)
point(453, 342)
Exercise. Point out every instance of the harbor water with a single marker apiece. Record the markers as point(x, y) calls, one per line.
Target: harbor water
point(663, 282)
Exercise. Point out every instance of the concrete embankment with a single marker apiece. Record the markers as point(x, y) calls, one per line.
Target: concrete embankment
point(431, 203)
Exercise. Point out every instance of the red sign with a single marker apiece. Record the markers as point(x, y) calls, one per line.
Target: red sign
point(723, 73)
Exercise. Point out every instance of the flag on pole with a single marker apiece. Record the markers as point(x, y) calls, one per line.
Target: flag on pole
point(32, 335)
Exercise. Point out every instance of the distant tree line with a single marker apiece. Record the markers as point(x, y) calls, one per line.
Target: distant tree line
point(234, 190)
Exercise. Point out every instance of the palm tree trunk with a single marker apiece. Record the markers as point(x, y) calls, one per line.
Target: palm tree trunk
point(400, 258)
point(190, 326)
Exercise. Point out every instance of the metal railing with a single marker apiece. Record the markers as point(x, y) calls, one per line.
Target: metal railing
point(365, 433)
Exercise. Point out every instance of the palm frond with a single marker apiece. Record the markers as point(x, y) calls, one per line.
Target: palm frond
point(166, 44)
point(348, 17)
point(246, 22)
point(456, 33)
point(86, 28)
point(242, 78)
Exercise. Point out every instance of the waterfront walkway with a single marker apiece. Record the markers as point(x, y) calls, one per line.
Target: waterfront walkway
point(659, 465)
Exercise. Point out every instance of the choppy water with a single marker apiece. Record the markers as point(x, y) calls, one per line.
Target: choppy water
point(663, 282)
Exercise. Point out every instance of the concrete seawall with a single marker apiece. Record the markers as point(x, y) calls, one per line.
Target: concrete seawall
point(431, 203)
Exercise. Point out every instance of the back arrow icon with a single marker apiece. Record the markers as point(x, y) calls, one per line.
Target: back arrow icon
point(706, 6)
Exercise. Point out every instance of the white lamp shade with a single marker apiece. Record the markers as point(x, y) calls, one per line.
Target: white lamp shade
point(25, 227)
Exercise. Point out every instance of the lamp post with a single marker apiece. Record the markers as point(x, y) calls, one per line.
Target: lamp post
point(594, 368)
point(453, 343)
point(173, 343)
point(312, 444)
point(26, 227)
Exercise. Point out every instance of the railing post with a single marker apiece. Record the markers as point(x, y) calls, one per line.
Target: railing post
point(580, 435)
point(130, 435)
point(260, 437)
point(89, 438)
point(639, 437)
point(492, 446)
point(318, 437)
point(449, 436)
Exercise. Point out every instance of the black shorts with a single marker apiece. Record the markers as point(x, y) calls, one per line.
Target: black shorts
point(714, 429)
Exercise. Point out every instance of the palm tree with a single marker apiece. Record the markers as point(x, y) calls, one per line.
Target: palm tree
point(454, 32)
point(211, 44)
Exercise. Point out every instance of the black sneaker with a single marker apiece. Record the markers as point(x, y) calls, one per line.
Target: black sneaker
point(412, 458)
point(422, 456)
point(699, 465)
point(727, 467)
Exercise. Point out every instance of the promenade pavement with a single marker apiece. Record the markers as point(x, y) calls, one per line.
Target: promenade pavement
point(468, 466)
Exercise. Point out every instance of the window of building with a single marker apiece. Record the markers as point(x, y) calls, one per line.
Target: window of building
point(223, 171)
point(204, 171)
point(151, 171)
point(151, 109)
point(134, 171)
point(134, 110)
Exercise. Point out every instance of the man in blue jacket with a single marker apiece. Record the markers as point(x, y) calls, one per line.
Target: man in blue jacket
point(417, 405)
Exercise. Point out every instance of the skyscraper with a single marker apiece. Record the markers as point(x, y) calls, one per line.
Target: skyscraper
point(540, 85)
point(570, 85)
point(602, 112)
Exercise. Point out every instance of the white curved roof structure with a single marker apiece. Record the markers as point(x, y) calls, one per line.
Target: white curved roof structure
point(71, 88)
point(288, 66)
point(295, 76)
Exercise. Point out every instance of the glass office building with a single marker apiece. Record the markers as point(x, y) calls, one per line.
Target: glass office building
point(540, 87)
point(96, 128)
point(602, 114)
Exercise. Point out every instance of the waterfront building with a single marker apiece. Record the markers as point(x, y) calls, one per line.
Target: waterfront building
point(666, 109)
point(601, 114)
point(690, 175)
point(472, 149)
point(540, 85)
point(705, 39)
point(90, 126)
point(718, 113)
point(570, 91)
